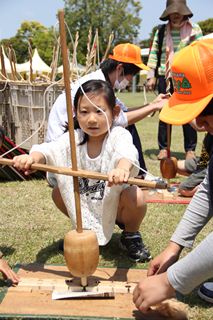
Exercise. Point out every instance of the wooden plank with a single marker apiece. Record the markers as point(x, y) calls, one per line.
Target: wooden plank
point(38, 303)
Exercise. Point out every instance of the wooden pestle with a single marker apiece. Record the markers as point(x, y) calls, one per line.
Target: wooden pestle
point(81, 250)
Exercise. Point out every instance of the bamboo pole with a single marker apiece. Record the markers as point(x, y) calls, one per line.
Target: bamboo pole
point(87, 174)
point(66, 69)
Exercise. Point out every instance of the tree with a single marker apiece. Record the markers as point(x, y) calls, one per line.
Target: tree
point(37, 35)
point(206, 26)
point(121, 17)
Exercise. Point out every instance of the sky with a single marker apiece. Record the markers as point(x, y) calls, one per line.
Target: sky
point(14, 12)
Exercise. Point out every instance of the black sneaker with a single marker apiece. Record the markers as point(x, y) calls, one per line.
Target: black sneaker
point(61, 245)
point(133, 244)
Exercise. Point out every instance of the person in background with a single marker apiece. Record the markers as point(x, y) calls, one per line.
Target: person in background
point(168, 39)
point(166, 274)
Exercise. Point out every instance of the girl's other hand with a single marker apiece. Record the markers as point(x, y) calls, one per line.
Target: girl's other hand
point(118, 176)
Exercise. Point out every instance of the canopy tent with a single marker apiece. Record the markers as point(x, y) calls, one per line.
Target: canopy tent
point(38, 65)
point(207, 36)
point(79, 68)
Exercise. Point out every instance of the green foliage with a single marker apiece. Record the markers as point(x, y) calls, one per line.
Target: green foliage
point(121, 17)
point(39, 37)
point(206, 26)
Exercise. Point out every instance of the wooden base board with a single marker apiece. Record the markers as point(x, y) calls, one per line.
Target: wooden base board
point(32, 297)
point(163, 196)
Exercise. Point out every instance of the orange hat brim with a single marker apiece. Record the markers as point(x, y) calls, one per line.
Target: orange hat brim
point(142, 66)
point(127, 60)
point(180, 112)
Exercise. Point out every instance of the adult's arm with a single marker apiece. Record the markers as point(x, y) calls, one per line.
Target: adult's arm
point(195, 217)
point(142, 112)
point(194, 268)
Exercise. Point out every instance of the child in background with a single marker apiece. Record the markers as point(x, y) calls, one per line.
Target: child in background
point(103, 204)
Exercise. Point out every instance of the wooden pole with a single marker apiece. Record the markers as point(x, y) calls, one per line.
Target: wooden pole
point(87, 174)
point(66, 68)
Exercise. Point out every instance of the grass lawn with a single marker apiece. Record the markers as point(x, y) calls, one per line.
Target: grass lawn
point(31, 226)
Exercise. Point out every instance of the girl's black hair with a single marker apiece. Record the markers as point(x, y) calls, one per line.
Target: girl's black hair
point(208, 111)
point(98, 87)
point(109, 65)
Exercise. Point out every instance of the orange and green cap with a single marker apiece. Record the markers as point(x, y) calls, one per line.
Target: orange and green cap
point(192, 76)
point(128, 53)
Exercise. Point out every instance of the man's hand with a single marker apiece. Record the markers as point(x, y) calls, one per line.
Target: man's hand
point(165, 259)
point(152, 291)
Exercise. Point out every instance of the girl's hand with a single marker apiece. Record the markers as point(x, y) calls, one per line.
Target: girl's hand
point(151, 291)
point(23, 163)
point(118, 176)
point(164, 260)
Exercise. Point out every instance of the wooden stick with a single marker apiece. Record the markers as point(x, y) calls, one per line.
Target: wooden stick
point(66, 70)
point(87, 174)
point(168, 133)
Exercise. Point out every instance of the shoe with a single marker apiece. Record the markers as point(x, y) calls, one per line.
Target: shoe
point(133, 244)
point(61, 245)
point(206, 292)
point(190, 155)
point(162, 154)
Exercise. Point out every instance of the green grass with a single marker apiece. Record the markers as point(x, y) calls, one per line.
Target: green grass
point(31, 226)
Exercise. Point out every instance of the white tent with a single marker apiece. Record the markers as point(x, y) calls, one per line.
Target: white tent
point(38, 65)
point(80, 68)
point(207, 36)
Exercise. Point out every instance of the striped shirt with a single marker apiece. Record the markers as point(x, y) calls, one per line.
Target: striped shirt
point(177, 44)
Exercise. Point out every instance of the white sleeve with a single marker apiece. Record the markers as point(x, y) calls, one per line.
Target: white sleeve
point(121, 119)
point(57, 119)
point(56, 151)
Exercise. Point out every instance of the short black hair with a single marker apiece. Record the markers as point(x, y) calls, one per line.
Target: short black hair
point(208, 111)
point(109, 65)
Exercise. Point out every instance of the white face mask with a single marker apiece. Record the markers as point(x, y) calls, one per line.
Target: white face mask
point(121, 85)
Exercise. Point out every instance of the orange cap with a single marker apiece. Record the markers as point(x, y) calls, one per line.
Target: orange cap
point(128, 53)
point(192, 76)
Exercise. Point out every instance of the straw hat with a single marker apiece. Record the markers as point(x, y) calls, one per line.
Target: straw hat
point(173, 6)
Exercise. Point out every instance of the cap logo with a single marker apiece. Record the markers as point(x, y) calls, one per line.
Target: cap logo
point(181, 83)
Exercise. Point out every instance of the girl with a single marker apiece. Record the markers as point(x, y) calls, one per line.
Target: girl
point(113, 154)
